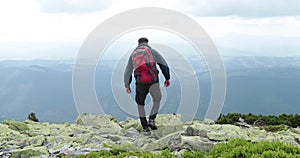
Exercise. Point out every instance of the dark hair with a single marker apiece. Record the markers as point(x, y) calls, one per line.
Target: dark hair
point(143, 40)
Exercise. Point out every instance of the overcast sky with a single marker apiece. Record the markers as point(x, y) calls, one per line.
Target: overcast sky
point(56, 28)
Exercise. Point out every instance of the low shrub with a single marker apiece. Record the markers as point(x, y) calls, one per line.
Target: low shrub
point(234, 148)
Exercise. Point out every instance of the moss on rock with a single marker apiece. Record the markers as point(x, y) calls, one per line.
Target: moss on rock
point(29, 152)
point(16, 126)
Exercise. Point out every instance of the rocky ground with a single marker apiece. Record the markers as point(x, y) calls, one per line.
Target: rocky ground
point(94, 133)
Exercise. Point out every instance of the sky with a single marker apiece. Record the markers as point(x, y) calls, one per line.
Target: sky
point(55, 29)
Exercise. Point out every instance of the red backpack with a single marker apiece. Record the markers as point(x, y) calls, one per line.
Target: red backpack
point(144, 66)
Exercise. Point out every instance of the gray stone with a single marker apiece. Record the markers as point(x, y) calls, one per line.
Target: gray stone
point(190, 131)
point(132, 133)
point(195, 143)
point(59, 148)
point(30, 151)
point(168, 119)
point(172, 141)
point(226, 132)
point(167, 129)
point(91, 132)
point(208, 122)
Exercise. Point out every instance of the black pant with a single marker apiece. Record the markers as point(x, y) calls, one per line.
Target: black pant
point(142, 91)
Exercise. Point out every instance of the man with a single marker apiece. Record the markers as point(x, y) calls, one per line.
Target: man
point(143, 62)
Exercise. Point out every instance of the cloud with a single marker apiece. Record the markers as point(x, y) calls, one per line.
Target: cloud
point(245, 44)
point(243, 8)
point(72, 6)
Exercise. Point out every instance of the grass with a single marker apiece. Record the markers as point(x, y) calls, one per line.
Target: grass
point(235, 148)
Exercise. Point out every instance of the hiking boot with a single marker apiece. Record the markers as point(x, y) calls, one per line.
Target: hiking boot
point(147, 132)
point(152, 125)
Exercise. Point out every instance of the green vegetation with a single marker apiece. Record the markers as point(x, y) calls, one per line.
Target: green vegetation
point(121, 154)
point(32, 117)
point(275, 128)
point(245, 149)
point(283, 119)
point(235, 148)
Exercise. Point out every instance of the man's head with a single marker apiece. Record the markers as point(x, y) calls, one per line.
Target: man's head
point(143, 40)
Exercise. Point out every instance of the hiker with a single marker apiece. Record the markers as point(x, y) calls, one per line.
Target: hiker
point(143, 62)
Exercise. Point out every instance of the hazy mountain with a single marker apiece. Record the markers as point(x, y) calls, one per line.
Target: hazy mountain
point(264, 85)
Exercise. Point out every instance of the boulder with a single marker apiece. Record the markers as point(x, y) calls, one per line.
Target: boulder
point(4, 129)
point(30, 151)
point(209, 122)
point(226, 132)
point(132, 123)
point(168, 119)
point(190, 131)
point(59, 149)
point(132, 133)
point(102, 124)
point(143, 140)
point(195, 143)
point(256, 134)
point(172, 141)
point(16, 126)
point(37, 140)
point(104, 132)
point(167, 129)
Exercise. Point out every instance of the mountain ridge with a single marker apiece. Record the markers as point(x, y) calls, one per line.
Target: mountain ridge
point(254, 84)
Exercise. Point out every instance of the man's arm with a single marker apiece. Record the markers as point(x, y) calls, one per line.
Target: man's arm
point(161, 62)
point(128, 74)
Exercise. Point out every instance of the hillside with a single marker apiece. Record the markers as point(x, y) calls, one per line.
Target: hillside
point(259, 85)
point(103, 132)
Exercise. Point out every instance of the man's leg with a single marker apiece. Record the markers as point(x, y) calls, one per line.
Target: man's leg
point(156, 97)
point(141, 93)
point(142, 115)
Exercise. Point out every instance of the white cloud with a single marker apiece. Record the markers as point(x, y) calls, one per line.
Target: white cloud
point(72, 6)
point(269, 26)
point(58, 26)
point(243, 8)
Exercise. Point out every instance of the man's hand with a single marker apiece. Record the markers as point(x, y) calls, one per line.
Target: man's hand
point(167, 83)
point(128, 90)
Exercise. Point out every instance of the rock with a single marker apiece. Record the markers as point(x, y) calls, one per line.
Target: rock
point(297, 140)
point(59, 149)
point(91, 133)
point(143, 140)
point(132, 123)
point(30, 151)
point(242, 124)
point(31, 122)
point(165, 130)
point(255, 134)
point(4, 129)
point(86, 149)
point(179, 153)
point(132, 133)
point(208, 122)
point(37, 140)
point(190, 131)
point(168, 119)
point(5, 155)
point(172, 141)
point(16, 126)
point(259, 122)
point(226, 132)
point(103, 124)
point(195, 143)
point(95, 139)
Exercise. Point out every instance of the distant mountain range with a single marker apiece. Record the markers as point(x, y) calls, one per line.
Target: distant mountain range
point(256, 84)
